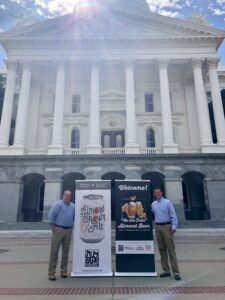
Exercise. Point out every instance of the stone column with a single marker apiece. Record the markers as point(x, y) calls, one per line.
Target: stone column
point(168, 141)
point(94, 146)
point(56, 147)
point(202, 106)
point(8, 104)
point(21, 120)
point(131, 146)
point(216, 100)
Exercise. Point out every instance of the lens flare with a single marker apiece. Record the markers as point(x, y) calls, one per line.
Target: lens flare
point(86, 7)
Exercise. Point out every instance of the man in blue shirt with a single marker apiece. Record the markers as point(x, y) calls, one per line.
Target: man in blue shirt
point(165, 227)
point(61, 219)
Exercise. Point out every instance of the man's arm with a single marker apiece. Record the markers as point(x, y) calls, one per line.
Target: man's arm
point(52, 216)
point(173, 217)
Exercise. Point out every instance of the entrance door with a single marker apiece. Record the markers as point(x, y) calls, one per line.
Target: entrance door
point(113, 139)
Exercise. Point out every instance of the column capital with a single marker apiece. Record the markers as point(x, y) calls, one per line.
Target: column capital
point(197, 62)
point(129, 62)
point(60, 63)
point(163, 63)
point(11, 64)
point(96, 63)
point(26, 64)
point(213, 62)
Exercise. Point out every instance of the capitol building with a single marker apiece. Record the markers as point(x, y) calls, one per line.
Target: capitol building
point(113, 91)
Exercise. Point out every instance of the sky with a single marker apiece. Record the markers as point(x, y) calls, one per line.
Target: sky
point(16, 12)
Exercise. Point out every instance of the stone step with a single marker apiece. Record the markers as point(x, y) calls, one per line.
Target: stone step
point(45, 225)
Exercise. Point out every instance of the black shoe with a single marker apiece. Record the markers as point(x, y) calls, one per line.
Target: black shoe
point(52, 277)
point(164, 274)
point(64, 275)
point(177, 277)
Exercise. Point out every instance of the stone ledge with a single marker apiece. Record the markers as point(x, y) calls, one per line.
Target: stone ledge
point(211, 232)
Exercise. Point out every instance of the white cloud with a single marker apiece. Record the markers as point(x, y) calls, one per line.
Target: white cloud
point(218, 12)
point(41, 3)
point(169, 13)
point(2, 6)
point(40, 12)
point(156, 5)
point(220, 2)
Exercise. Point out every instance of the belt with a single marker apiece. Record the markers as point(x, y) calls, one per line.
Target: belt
point(64, 227)
point(165, 223)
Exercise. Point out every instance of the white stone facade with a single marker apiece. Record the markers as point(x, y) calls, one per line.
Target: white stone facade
point(113, 91)
point(172, 60)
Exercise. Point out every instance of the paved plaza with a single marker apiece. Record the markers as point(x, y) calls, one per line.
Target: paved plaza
point(24, 264)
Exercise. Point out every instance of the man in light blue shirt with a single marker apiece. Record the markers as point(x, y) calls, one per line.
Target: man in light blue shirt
point(61, 219)
point(166, 223)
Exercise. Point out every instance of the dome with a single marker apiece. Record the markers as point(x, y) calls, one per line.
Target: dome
point(139, 7)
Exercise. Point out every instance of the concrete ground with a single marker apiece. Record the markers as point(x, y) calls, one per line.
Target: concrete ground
point(24, 264)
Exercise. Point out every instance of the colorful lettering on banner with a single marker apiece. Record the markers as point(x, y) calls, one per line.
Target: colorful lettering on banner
point(92, 229)
point(134, 235)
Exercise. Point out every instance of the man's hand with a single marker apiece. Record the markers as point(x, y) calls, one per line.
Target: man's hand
point(173, 230)
point(53, 228)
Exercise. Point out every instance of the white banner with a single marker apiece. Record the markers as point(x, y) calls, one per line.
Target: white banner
point(92, 229)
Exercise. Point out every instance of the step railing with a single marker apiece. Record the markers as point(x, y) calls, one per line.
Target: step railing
point(36, 152)
point(189, 150)
point(73, 151)
point(113, 151)
point(150, 151)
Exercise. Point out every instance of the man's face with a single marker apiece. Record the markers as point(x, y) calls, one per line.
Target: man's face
point(158, 194)
point(67, 197)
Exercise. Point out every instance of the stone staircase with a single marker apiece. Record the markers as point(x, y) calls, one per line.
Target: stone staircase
point(202, 224)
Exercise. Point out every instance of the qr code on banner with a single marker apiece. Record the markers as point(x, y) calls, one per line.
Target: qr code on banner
point(120, 248)
point(91, 258)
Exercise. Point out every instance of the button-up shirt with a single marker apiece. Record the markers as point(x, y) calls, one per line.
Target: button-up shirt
point(164, 212)
point(62, 214)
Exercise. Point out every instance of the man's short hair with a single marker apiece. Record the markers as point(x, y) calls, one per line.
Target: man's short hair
point(67, 191)
point(158, 188)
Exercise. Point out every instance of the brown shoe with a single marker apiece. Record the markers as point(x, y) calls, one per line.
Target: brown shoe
point(64, 275)
point(52, 277)
point(165, 274)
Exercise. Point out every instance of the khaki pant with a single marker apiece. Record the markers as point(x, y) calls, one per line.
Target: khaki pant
point(61, 237)
point(166, 247)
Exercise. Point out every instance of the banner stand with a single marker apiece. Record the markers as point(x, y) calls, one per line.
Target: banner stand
point(92, 229)
point(134, 230)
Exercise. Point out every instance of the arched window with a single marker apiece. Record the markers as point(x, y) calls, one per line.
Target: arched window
point(107, 141)
point(150, 138)
point(119, 141)
point(75, 138)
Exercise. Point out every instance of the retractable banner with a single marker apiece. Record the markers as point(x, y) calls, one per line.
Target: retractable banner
point(134, 234)
point(92, 229)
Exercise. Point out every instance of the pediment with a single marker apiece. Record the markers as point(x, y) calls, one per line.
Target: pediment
point(112, 24)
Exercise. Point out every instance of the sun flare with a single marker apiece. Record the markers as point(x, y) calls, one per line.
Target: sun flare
point(85, 7)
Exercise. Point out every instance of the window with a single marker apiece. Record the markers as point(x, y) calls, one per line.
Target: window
point(75, 138)
point(119, 141)
point(76, 104)
point(212, 118)
point(223, 100)
point(148, 103)
point(106, 141)
point(150, 138)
